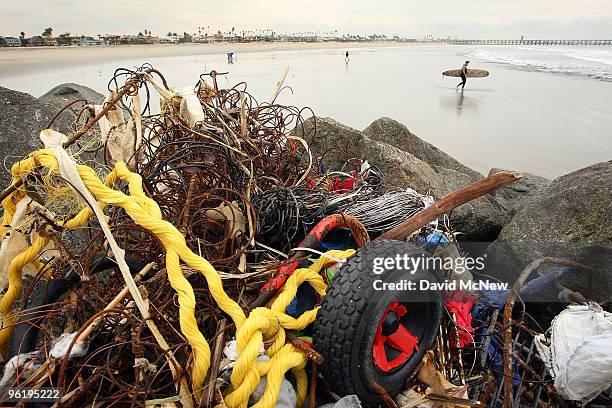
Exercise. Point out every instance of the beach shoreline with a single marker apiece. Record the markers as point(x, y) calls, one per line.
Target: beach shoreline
point(491, 124)
point(26, 60)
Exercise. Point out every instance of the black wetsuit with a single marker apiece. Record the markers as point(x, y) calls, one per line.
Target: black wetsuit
point(463, 76)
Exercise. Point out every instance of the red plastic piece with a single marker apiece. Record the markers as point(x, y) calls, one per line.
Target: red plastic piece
point(312, 240)
point(401, 340)
point(463, 316)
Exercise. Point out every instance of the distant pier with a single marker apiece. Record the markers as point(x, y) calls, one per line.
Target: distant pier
point(532, 42)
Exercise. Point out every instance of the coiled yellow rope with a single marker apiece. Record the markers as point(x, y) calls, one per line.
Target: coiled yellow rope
point(262, 322)
point(247, 372)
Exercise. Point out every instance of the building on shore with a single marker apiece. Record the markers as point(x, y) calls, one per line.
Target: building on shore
point(170, 39)
point(151, 40)
point(111, 39)
point(36, 41)
point(40, 41)
point(10, 42)
point(88, 41)
point(139, 39)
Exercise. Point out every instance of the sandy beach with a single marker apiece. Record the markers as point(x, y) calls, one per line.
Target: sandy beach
point(26, 60)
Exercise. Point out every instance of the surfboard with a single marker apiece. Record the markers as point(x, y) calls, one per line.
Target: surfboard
point(472, 73)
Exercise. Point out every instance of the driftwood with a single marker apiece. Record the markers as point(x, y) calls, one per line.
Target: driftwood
point(450, 202)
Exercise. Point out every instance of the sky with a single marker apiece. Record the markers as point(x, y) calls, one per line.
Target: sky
point(486, 19)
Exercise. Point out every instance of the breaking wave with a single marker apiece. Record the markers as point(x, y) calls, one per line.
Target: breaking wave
point(592, 62)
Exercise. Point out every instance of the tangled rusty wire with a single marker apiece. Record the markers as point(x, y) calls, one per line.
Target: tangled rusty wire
point(232, 176)
point(233, 179)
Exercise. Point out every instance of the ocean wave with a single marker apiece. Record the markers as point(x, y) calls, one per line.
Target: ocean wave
point(604, 57)
point(587, 62)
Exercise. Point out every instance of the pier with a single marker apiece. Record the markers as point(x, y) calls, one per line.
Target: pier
point(532, 42)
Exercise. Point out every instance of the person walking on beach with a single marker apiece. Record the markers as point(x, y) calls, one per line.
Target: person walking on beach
point(346, 57)
point(464, 72)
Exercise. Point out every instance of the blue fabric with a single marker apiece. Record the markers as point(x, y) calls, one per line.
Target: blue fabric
point(305, 299)
point(541, 282)
point(489, 301)
point(432, 240)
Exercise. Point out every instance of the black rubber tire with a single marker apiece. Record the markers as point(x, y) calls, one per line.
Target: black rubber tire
point(348, 319)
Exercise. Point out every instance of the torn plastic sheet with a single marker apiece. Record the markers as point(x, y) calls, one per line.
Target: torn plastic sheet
point(17, 241)
point(578, 352)
point(117, 133)
point(26, 364)
point(191, 109)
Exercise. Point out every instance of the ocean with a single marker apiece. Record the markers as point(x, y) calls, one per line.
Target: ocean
point(594, 62)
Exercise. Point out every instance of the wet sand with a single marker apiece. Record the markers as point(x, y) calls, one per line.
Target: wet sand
point(28, 60)
point(543, 123)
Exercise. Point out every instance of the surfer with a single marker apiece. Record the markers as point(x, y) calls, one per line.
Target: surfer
point(464, 72)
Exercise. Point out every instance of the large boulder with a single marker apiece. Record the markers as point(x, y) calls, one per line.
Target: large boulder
point(332, 141)
point(336, 143)
point(478, 220)
point(514, 196)
point(571, 219)
point(481, 219)
point(401, 169)
point(22, 117)
point(396, 134)
point(60, 95)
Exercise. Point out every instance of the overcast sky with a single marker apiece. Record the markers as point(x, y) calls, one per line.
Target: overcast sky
point(415, 18)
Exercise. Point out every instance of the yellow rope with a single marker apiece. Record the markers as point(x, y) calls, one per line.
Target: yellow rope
point(261, 323)
point(246, 374)
point(14, 288)
point(28, 256)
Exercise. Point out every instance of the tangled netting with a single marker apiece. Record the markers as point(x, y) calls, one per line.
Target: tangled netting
point(198, 200)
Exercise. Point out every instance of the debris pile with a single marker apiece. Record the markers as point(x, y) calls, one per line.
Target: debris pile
point(178, 258)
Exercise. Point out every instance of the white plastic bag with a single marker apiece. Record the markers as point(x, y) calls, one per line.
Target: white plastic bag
point(578, 354)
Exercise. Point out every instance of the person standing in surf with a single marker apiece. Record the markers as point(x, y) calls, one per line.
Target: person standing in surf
point(464, 72)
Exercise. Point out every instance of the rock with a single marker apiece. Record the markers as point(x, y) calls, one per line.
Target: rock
point(514, 197)
point(401, 169)
point(479, 220)
point(396, 134)
point(571, 219)
point(22, 117)
point(64, 93)
point(336, 143)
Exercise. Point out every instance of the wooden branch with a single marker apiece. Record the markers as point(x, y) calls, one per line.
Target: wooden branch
point(450, 202)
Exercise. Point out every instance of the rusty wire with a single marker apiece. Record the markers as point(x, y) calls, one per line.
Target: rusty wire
point(198, 175)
